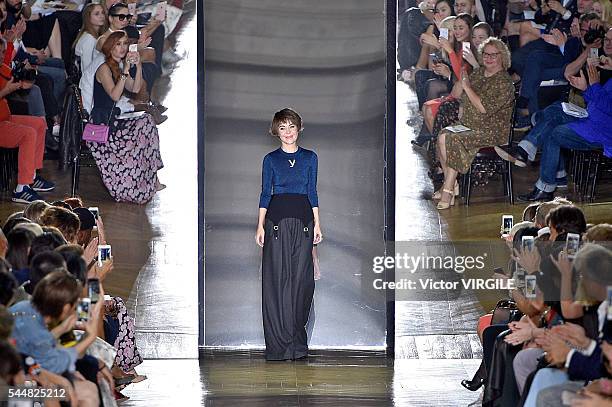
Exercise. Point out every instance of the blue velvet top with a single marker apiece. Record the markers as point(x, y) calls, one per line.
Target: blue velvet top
point(289, 173)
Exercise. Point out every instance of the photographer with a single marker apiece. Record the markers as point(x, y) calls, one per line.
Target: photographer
point(27, 133)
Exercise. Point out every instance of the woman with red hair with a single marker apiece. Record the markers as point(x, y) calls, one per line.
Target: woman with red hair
point(130, 159)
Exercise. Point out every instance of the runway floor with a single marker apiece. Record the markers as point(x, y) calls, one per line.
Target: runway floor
point(155, 249)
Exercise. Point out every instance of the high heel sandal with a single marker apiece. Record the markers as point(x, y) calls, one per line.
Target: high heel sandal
point(438, 195)
point(446, 205)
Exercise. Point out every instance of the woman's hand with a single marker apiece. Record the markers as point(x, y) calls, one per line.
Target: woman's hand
point(556, 6)
point(605, 62)
point(522, 331)
point(100, 272)
point(442, 70)
point(260, 235)
point(563, 264)
point(446, 45)
point(430, 40)
point(10, 87)
point(575, 28)
point(529, 259)
point(318, 236)
point(572, 333)
point(89, 253)
point(143, 42)
point(579, 82)
point(593, 74)
point(556, 37)
point(470, 58)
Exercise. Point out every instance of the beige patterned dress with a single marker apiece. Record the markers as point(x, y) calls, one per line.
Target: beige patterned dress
point(486, 129)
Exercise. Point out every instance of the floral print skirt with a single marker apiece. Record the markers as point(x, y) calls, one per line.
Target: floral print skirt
point(129, 161)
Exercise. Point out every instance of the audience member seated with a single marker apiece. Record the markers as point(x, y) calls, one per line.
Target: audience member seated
point(54, 303)
point(553, 116)
point(64, 219)
point(19, 243)
point(27, 133)
point(487, 102)
point(581, 134)
point(549, 64)
point(129, 161)
point(34, 210)
point(447, 107)
point(118, 18)
point(414, 22)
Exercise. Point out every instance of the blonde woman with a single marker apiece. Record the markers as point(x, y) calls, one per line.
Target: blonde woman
point(487, 99)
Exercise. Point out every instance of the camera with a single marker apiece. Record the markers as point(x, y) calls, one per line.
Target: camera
point(594, 34)
point(21, 73)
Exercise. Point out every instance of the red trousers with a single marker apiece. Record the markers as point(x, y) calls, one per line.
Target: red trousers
point(28, 134)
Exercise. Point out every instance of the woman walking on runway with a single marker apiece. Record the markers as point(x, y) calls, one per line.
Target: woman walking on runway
point(288, 227)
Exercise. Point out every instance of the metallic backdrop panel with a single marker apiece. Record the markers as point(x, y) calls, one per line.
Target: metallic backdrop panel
point(325, 59)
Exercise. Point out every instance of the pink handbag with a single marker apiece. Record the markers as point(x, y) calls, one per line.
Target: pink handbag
point(97, 133)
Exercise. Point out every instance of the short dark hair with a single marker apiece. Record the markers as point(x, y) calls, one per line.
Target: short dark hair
point(75, 264)
point(10, 363)
point(64, 219)
point(46, 242)
point(12, 222)
point(54, 291)
point(567, 219)
point(284, 116)
point(8, 283)
point(19, 244)
point(43, 264)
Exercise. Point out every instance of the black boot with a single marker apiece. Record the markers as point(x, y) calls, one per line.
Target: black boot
point(536, 195)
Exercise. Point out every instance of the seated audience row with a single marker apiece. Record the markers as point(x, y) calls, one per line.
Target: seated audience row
point(34, 53)
point(49, 275)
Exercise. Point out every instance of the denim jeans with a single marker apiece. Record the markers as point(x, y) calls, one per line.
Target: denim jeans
point(54, 68)
point(545, 121)
point(541, 65)
point(544, 378)
point(36, 107)
point(561, 137)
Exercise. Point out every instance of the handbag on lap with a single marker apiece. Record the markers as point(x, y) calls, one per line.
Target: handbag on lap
point(98, 133)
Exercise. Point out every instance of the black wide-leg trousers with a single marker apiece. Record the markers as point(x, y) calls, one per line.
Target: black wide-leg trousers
point(287, 287)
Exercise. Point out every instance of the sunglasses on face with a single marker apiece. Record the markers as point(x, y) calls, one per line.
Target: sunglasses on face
point(122, 17)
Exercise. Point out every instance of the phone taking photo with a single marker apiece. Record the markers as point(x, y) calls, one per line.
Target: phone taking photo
point(444, 33)
point(133, 48)
point(527, 242)
point(507, 223)
point(93, 289)
point(83, 309)
point(572, 244)
point(104, 253)
point(530, 286)
point(160, 14)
